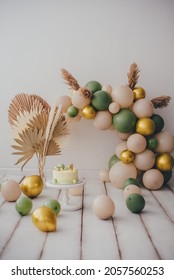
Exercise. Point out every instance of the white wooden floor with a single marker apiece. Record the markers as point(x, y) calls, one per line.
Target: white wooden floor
point(81, 235)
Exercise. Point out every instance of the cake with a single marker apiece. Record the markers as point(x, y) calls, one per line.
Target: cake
point(65, 174)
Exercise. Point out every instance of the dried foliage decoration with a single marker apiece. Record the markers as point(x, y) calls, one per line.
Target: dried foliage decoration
point(70, 80)
point(36, 130)
point(133, 75)
point(161, 101)
point(73, 83)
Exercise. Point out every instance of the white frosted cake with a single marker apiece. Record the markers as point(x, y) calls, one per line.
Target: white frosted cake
point(65, 175)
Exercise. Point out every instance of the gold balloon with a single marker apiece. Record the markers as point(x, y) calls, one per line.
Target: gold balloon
point(164, 162)
point(44, 219)
point(89, 112)
point(145, 126)
point(139, 93)
point(32, 185)
point(127, 156)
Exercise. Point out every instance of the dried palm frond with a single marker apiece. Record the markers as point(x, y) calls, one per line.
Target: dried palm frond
point(23, 102)
point(161, 101)
point(29, 143)
point(133, 75)
point(38, 131)
point(70, 80)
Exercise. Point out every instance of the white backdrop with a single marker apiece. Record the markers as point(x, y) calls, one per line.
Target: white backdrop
point(94, 40)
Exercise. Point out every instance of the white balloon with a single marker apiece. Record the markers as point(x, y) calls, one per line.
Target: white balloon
point(65, 101)
point(103, 207)
point(145, 160)
point(102, 120)
point(120, 172)
point(136, 143)
point(107, 88)
point(104, 175)
point(143, 108)
point(123, 95)
point(153, 179)
point(114, 108)
point(165, 142)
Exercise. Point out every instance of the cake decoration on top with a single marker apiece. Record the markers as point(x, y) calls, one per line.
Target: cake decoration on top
point(65, 174)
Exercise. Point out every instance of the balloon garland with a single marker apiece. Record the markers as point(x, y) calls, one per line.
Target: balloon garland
point(145, 150)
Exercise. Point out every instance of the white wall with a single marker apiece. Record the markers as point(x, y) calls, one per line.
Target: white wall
point(94, 40)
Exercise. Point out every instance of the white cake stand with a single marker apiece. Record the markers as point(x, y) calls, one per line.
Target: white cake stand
point(67, 204)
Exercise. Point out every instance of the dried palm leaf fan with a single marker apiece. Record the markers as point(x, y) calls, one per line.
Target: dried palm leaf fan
point(133, 75)
point(37, 129)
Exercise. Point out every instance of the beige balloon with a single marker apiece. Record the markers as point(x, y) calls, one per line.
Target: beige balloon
point(136, 143)
point(120, 148)
point(130, 189)
point(78, 100)
point(114, 108)
point(65, 101)
point(120, 172)
point(165, 142)
point(145, 160)
point(10, 190)
point(153, 179)
point(123, 136)
point(107, 88)
point(103, 207)
point(123, 95)
point(104, 175)
point(102, 120)
point(143, 108)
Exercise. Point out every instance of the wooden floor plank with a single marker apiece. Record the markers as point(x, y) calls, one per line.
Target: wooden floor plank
point(27, 241)
point(165, 198)
point(98, 236)
point(159, 226)
point(65, 242)
point(134, 242)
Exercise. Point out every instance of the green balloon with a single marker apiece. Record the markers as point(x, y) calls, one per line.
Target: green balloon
point(135, 203)
point(152, 143)
point(101, 100)
point(130, 181)
point(112, 161)
point(167, 176)
point(159, 122)
point(72, 112)
point(124, 121)
point(93, 86)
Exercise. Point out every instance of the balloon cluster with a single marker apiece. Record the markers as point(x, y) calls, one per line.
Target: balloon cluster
point(146, 148)
point(43, 217)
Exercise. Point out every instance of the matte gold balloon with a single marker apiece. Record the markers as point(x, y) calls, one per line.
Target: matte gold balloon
point(88, 112)
point(139, 93)
point(32, 185)
point(127, 156)
point(145, 126)
point(164, 162)
point(44, 219)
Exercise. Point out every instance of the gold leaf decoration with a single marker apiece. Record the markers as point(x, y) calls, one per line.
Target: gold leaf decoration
point(37, 129)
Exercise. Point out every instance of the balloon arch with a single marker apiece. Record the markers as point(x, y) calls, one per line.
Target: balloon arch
point(145, 151)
